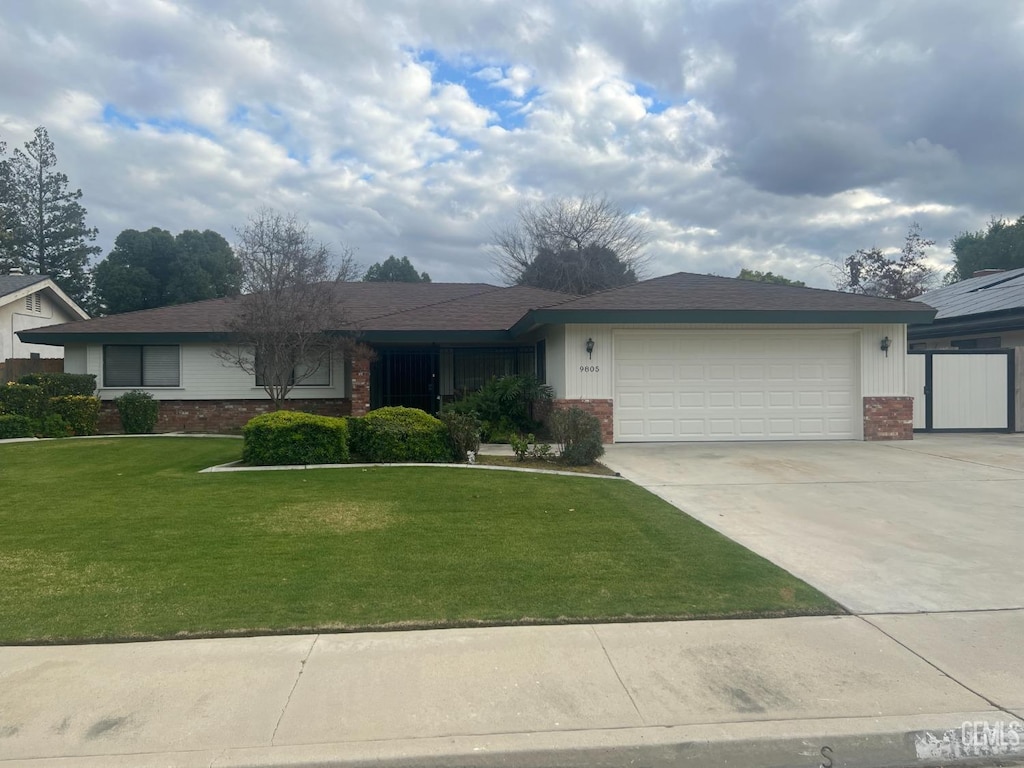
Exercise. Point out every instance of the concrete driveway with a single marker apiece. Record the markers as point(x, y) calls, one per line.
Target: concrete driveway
point(933, 524)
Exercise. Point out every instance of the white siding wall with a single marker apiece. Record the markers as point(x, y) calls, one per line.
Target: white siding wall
point(204, 376)
point(76, 359)
point(554, 347)
point(879, 375)
point(15, 317)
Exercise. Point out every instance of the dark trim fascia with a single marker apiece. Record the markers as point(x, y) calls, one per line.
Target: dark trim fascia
point(410, 337)
point(99, 337)
point(537, 317)
point(993, 322)
point(433, 337)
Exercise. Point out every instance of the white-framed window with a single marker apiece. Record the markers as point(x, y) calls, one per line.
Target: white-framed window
point(141, 365)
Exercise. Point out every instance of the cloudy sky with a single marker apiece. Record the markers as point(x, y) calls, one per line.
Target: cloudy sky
point(778, 136)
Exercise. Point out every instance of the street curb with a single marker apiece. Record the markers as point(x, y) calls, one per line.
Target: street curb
point(924, 741)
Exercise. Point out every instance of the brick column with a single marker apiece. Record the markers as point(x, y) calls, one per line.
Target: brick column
point(360, 385)
point(889, 418)
point(603, 409)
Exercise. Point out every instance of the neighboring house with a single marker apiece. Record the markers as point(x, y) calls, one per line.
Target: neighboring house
point(32, 301)
point(681, 357)
point(984, 311)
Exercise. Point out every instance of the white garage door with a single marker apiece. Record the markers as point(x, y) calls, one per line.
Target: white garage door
point(725, 385)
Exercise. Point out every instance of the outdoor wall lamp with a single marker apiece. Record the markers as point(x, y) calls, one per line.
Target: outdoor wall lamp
point(884, 346)
point(590, 348)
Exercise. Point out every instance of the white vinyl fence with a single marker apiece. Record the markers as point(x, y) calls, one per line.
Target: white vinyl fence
point(961, 390)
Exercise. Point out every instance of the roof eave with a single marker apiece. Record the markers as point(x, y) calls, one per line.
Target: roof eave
point(538, 317)
point(1006, 320)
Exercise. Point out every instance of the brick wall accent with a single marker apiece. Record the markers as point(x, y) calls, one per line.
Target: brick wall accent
point(216, 416)
point(601, 408)
point(888, 418)
point(360, 385)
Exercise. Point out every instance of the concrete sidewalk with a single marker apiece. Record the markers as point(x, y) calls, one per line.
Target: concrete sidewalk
point(876, 691)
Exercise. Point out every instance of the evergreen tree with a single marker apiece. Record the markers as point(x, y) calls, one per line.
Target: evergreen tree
point(393, 270)
point(46, 233)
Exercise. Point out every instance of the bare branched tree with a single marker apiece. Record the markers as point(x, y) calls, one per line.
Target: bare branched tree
point(289, 318)
point(570, 227)
point(872, 273)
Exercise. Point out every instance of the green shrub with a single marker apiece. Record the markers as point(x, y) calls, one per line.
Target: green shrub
point(54, 425)
point(14, 425)
point(22, 400)
point(61, 384)
point(138, 410)
point(506, 405)
point(463, 433)
point(294, 437)
point(578, 434)
point(400, 434)
point(81, 412)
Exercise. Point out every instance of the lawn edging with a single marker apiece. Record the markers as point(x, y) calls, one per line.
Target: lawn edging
point(237, 466)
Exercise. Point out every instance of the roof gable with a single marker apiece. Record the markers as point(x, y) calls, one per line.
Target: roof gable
point(15, 287)
point(12, 284)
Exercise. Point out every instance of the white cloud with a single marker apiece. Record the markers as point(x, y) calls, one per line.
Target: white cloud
point(746, 133)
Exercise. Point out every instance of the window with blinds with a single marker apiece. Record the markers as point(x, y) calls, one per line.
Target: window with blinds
point(135, 365)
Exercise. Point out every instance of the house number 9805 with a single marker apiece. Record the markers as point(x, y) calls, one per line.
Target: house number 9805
point(590, 368)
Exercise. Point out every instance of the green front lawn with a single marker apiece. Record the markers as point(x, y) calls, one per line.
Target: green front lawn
point(121, 538)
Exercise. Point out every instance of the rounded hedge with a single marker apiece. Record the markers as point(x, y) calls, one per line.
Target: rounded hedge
point(139, 412)
point(294, 437)
point(397, 434)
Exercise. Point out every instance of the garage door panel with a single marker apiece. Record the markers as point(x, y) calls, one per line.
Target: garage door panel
point(661, 400)
point(673, 385)
point(781, 373)
point(722, 399)
point(810, 399)
point(751, 399)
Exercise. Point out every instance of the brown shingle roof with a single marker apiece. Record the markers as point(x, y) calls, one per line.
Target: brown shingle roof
point(688, 291)
point(394, 308)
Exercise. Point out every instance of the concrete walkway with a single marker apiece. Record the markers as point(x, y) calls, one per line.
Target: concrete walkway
point(888, 690)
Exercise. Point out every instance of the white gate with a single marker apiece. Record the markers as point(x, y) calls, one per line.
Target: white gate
point(962, 390)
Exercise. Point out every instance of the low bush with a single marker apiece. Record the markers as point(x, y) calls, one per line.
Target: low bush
point(578, 434)
point(23, 400)
point(13, 425)
point(506, 405)
point(54, 425)
point(80, 412)
point(400, 434)
point(526, 447)
point(463, 433)
point(139, 412)
point(294, 437)
point(61, 384)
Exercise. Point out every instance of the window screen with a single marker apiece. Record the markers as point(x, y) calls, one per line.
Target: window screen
point(141, 366)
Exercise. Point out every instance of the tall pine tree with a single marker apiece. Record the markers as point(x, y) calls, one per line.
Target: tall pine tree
point(45, 225)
